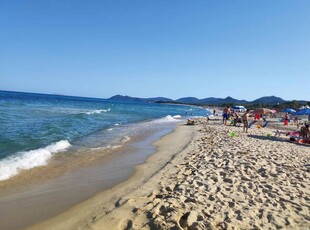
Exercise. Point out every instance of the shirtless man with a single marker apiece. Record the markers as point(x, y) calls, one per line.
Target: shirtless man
point(226, 113)
point(245, 120)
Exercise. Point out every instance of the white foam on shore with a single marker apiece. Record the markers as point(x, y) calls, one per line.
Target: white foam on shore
point(169, 118)
point(107, 147)
point(125, 139)
point(12, 165)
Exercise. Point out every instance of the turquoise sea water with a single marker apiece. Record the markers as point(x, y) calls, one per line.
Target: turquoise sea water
point(35, 127)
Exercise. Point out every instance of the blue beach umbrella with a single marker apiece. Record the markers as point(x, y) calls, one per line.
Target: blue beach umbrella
point(305, 111)
point(289, 110)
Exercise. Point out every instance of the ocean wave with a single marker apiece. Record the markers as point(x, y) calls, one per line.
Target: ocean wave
point(11, 166)
point(177, 116)
point(167, 119)
point(97, 111)
point(79, 111)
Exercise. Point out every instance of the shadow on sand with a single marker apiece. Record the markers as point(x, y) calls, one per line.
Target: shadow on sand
point(278, 139)
point(271, 138)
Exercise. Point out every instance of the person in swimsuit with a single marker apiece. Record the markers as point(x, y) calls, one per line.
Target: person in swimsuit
point(226, 113)
point(245, 120)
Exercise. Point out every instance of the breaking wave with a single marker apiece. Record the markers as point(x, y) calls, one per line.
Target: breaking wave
point(12, 165)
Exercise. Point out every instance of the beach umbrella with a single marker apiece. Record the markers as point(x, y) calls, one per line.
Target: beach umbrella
point(262, 111)
point(288, 110)
point(305, 111)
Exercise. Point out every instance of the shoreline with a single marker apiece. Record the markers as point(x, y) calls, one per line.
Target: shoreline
point(53, 189)
point(215, 181)
point(167, 147)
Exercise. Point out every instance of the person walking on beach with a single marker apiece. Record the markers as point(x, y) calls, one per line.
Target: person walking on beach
point(245, 120)
point(226, 113)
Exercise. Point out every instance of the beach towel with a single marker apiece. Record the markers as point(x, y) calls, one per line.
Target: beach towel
point(252, 123)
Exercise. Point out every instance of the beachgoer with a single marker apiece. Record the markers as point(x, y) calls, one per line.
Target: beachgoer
point(190, 122)
point(286, 119)
point(286, 116)
point(226, 113)
point(296, 122)
point(236, 119)
point(214, 112)
point(207, 119)
point(245, 120)
point(257, 117)
point(305, 131)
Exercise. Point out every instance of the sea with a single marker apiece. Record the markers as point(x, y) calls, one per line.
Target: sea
point(34, 128)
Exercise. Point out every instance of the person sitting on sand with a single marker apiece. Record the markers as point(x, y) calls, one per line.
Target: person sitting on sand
point(305, 132)
point(190, 122)
point(245, 120)
point(237, 119)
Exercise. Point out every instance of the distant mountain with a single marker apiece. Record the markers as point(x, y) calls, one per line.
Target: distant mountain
point(211, 100)
point(269, 100)
point(156, 99)
point(126, 98)
point(136, 99)
point(230, 100)
point(220, 101)
point(192, 100)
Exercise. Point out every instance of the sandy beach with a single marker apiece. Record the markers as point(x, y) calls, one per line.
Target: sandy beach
point(202, 178)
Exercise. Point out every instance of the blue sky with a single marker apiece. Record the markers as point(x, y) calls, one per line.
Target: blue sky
point(147, 48)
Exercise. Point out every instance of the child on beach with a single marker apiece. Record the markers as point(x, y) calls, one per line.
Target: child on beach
point(245, 120)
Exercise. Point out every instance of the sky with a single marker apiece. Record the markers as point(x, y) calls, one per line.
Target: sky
point(245, 49)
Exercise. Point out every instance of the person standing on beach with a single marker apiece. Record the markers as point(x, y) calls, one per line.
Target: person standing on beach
point(226, 113)
point(245, 120)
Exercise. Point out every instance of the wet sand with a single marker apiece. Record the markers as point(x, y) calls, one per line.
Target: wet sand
point(82, 215)
point(203, 178)
point(48, 191)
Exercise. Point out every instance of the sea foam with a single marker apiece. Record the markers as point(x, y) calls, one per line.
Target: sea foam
point(97, 111)
point(167, 118)
point(12, 165)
